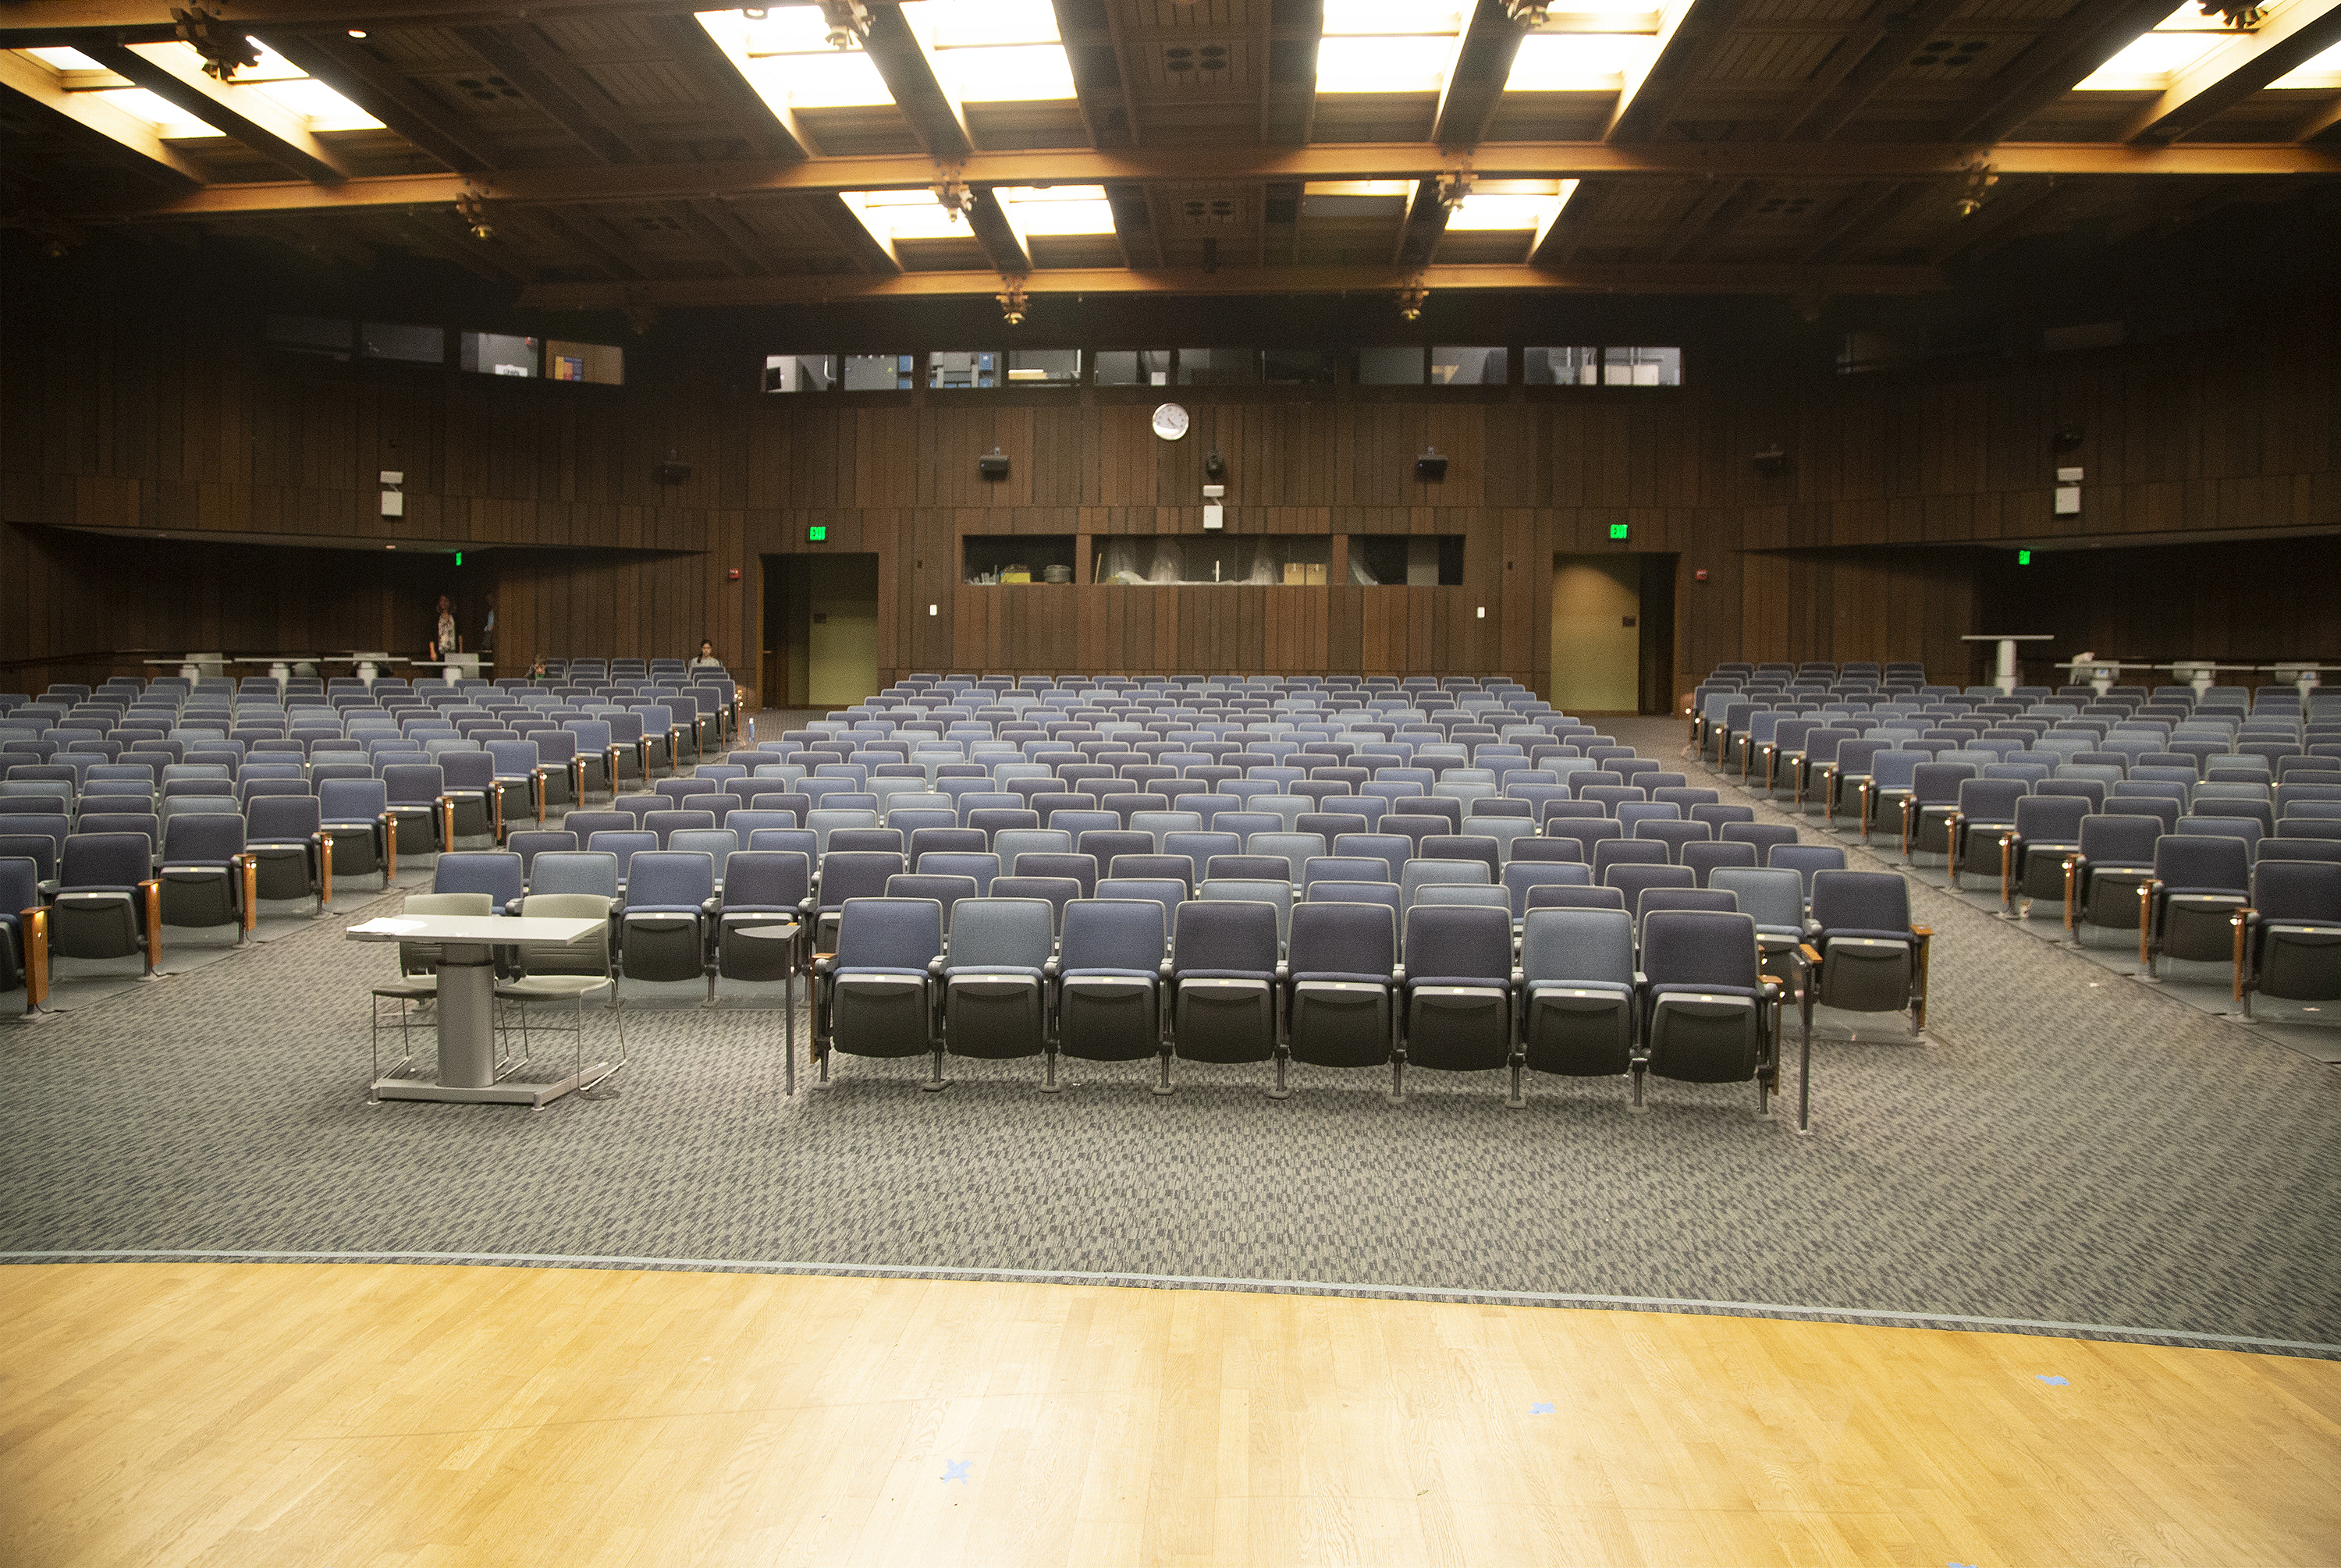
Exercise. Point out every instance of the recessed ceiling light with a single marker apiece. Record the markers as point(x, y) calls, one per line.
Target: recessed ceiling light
point(357, 32)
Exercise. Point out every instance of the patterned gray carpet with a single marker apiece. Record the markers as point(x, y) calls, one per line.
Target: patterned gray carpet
point(2051, 1154)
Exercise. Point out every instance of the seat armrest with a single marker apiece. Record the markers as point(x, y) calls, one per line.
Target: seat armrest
point(1398, 976)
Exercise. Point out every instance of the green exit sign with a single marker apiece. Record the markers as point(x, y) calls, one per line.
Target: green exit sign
point(1616, 531)
point(2023, 558)
point(816, 535)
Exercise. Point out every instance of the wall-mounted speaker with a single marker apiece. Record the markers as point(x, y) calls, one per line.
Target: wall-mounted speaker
point(993, 464)
point(1432, 465)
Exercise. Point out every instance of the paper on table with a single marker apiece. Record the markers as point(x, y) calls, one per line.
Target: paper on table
point(387, 923)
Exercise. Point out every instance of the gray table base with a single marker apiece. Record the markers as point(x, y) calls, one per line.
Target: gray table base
point(782, 932)
point(467, 1043)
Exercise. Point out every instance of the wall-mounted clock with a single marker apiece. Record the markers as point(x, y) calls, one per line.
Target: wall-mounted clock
point(1171, 421)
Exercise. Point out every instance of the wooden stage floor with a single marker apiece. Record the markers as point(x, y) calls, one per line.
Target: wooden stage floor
point(349, 1413)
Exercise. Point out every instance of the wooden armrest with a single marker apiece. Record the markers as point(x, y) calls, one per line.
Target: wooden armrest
point(1812, 954)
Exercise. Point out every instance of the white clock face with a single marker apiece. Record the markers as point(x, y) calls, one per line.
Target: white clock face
point(1170, 421)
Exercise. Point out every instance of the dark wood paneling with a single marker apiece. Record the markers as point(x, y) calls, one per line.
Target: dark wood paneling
point(1879, 538)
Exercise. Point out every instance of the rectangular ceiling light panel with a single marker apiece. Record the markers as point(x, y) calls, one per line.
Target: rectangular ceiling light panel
point(984, 51)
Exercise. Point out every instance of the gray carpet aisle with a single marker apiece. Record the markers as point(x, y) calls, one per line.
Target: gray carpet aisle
point(2053, 1153)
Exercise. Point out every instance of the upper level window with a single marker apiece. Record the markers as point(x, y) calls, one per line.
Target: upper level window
point(879, 373)
point(1470, 367)
point(1134, 367)
point(1391, 367)
point(309, 335)
point(800, 372)
point(601, 363)
point(1303, 367)
point(499, 354)
point(1641, 367)
point(1044, 367)
point(1219, 367)
point(964, 368)
point(1561, 367)
point(1614, 367)
point(411, 344)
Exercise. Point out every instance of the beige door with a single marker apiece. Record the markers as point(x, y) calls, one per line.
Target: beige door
point(1597, 642)
point(841, 647)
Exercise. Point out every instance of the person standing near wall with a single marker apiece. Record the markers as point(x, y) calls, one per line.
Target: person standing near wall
point(445, 641)
point(488, 630)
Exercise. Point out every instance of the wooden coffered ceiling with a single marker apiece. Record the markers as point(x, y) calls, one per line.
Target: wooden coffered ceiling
point(618, 156)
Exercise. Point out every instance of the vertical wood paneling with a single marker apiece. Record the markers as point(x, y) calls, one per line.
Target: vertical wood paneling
point(1880, 538)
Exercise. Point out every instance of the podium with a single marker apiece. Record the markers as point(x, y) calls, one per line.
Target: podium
point(2005, 676)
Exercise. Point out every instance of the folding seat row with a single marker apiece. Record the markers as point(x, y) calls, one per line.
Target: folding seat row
point(1699, 1009)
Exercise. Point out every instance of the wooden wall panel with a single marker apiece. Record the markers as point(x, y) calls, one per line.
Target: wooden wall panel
point(1883, 535)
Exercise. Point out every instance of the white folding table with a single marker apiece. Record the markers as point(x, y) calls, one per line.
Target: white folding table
point(466, 1004)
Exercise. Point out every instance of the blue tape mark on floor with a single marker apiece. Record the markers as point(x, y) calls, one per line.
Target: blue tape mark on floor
point(1541, 1410)
point(2054, 1382)
point(956, 1470)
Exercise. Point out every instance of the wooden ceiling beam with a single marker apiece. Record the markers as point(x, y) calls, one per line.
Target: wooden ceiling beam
point(1288, 111)
point(2055, 62)
point(1635, 278)
point(1806, 162)
point(1558, 243)
point(2229, 75)
point(865, 248)
point(995, 231)
point(1996, 220)
point(1851, 217)
point(1719, 207)
point(908, 71)
point(1101, 87)
point(240, 113)
point(1688, 37)
point(1475, 81)
point(30, 79)
point(1855, 71)
point(1418, 233)
point(527, 59)
point(317, 15)
point(770, 132)
point(382, 90)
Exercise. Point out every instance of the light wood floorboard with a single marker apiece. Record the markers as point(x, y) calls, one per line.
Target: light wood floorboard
point(351, 1413)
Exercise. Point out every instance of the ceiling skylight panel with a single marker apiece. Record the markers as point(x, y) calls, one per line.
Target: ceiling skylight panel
point(2175, 45)
point(1005, 74)
point(1387, 46)
point(982, 23)
point(785, 57)
point(1511, 205)
point(170, 122)
point(1058, 209)
point(1578, 62)
point(1344, 17)
point(2152, 61)
point(903, 215)
point(63, 59)
point(2319, 71)
point(320, 105)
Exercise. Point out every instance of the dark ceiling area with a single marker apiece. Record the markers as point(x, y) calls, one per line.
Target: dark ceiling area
point(1292, 169)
